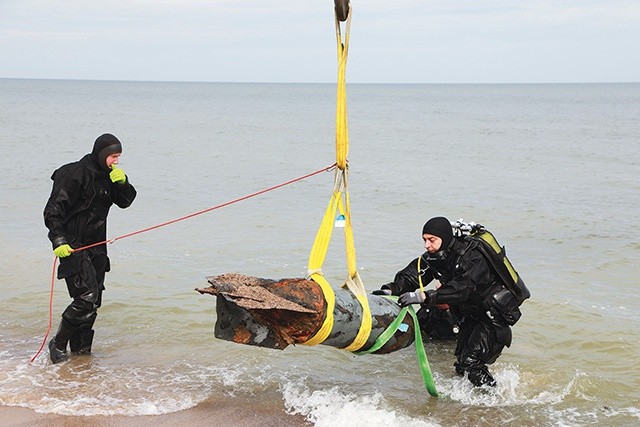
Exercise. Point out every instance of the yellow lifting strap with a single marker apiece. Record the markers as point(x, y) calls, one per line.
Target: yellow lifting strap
point(339, 202)
point(342, 130)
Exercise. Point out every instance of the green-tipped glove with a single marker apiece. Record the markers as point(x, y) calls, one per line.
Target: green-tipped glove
point(408, 298)
point(63, 251)
point(117, 175)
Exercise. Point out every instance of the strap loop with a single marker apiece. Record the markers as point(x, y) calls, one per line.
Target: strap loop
point(330, 298)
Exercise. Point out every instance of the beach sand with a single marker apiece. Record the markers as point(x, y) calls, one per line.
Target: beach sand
point(207, 413)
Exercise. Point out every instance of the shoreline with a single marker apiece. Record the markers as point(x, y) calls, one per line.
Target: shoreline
point(206, 413)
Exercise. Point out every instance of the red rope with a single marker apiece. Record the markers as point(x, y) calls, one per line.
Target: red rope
point(173, 221)
point(46, 335)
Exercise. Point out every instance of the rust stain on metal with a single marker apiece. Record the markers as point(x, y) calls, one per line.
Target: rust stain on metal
point(241, 336)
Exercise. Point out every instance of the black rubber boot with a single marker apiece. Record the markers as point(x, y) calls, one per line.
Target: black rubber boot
point(81, 340)
point(481, 376)
point(58, 344)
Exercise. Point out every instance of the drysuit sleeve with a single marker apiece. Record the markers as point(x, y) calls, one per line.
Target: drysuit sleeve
point(64, 194)
point(123, 194)
point(406, 280)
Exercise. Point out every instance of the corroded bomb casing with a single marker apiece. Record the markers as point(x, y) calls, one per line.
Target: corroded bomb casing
point(277, 313)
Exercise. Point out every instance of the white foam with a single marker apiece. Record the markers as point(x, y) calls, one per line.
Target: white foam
point(331, 407)
point(510, 390)
point(99, 391)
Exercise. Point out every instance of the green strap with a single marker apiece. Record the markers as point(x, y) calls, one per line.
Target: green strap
point(422, 357)
point(425, 370)
point(387, 334)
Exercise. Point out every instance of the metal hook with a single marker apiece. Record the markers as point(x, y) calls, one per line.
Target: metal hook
point(342, 9)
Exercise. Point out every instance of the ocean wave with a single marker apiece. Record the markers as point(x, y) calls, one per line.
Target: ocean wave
point(331, 407)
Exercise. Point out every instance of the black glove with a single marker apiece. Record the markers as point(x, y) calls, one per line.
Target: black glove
point(384, 290)
point(408, 298)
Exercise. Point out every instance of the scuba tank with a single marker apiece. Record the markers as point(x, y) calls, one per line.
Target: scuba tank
point(496, 255)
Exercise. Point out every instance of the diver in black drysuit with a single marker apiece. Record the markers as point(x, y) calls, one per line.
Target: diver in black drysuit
point(437, 323)
point(76, 215)
point(468, 283)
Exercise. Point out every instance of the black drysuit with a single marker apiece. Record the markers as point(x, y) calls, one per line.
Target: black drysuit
point(76, 214)
point(468, 284)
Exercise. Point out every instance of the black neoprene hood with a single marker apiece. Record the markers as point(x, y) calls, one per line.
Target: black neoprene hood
point(106, 145)
point(441, 227)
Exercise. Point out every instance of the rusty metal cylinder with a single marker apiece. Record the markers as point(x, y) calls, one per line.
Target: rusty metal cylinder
point(275, 314)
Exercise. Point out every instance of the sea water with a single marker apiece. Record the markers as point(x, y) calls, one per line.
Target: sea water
point(552, 170)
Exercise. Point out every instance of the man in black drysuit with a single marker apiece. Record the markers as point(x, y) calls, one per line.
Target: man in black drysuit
point(437, 323)
point(76, 216)
point(468, 283)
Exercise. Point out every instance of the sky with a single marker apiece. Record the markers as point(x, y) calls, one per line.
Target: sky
point(391, 41)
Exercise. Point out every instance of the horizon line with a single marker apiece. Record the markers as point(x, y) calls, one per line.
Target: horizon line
point(313, 83)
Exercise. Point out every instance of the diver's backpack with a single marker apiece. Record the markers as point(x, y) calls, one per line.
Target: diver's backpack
point(496, 255)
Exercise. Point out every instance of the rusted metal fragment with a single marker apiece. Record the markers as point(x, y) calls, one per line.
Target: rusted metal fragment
point(255, 297)
point(275, 314)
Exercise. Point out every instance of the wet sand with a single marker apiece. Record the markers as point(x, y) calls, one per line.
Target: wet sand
point(207, 413)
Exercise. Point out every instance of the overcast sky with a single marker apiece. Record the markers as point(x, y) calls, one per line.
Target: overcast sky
point(392, 41)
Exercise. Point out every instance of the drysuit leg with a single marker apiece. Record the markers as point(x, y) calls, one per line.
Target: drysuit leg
point(477, 347)
point(85, 288)
point(58, 344)
point(81, 340)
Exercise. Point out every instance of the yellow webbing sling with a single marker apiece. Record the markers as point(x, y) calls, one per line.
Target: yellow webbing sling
point(339, 202)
